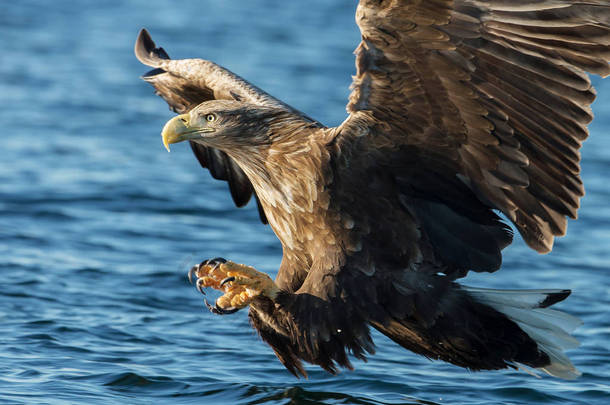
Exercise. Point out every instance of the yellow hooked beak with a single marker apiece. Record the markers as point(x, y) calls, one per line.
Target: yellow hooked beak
point(178, 129)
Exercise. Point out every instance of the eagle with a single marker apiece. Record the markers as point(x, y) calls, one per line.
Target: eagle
point(460, 111)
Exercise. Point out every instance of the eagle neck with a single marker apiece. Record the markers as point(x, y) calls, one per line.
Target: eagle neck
point(290, 178)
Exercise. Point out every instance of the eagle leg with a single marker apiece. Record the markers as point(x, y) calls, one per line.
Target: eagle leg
point(241, 284)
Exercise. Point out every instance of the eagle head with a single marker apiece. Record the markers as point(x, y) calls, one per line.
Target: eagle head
point(226, 125)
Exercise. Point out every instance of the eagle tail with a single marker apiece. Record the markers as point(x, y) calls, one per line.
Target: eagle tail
point(549, 328)
point(485, 329)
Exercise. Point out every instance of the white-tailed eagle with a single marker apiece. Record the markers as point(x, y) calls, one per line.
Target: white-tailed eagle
point(458, 108)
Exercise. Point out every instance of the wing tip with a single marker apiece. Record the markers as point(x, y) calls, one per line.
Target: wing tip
point(146, 51)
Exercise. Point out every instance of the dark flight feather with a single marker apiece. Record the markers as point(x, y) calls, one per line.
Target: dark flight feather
point(526, 61)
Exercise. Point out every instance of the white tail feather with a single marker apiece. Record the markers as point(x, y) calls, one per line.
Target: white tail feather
point(513, 298)
point(549, 328)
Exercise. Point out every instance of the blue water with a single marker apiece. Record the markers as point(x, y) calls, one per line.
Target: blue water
point(99, 224)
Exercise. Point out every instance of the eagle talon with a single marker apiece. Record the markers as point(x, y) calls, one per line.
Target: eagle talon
point(199, 285)
point(214, 262)
point(215, 309)
point(226, 280)
point(192, 271)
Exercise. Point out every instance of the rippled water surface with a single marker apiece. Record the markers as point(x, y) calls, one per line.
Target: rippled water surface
point(98, 224)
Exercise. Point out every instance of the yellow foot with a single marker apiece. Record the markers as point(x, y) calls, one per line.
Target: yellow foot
point(240, 283)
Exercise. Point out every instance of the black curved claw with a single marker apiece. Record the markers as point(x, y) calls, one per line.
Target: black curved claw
point(215, 261)
point(192, 271)
point(226, 280)
point(218, 310)
point(198, 284)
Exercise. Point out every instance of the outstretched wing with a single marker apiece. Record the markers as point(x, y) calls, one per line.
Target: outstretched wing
point(187, 83)
point(494, 93)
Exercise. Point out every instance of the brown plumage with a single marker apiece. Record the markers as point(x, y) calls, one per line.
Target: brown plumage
point(458, 108)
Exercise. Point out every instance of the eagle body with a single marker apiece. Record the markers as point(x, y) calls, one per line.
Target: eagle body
point(459, 109)
point(318, 218)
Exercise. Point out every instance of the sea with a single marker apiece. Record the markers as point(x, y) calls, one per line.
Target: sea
point(99, 224)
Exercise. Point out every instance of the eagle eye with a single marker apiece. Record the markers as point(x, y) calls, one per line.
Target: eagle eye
point(210, 118)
